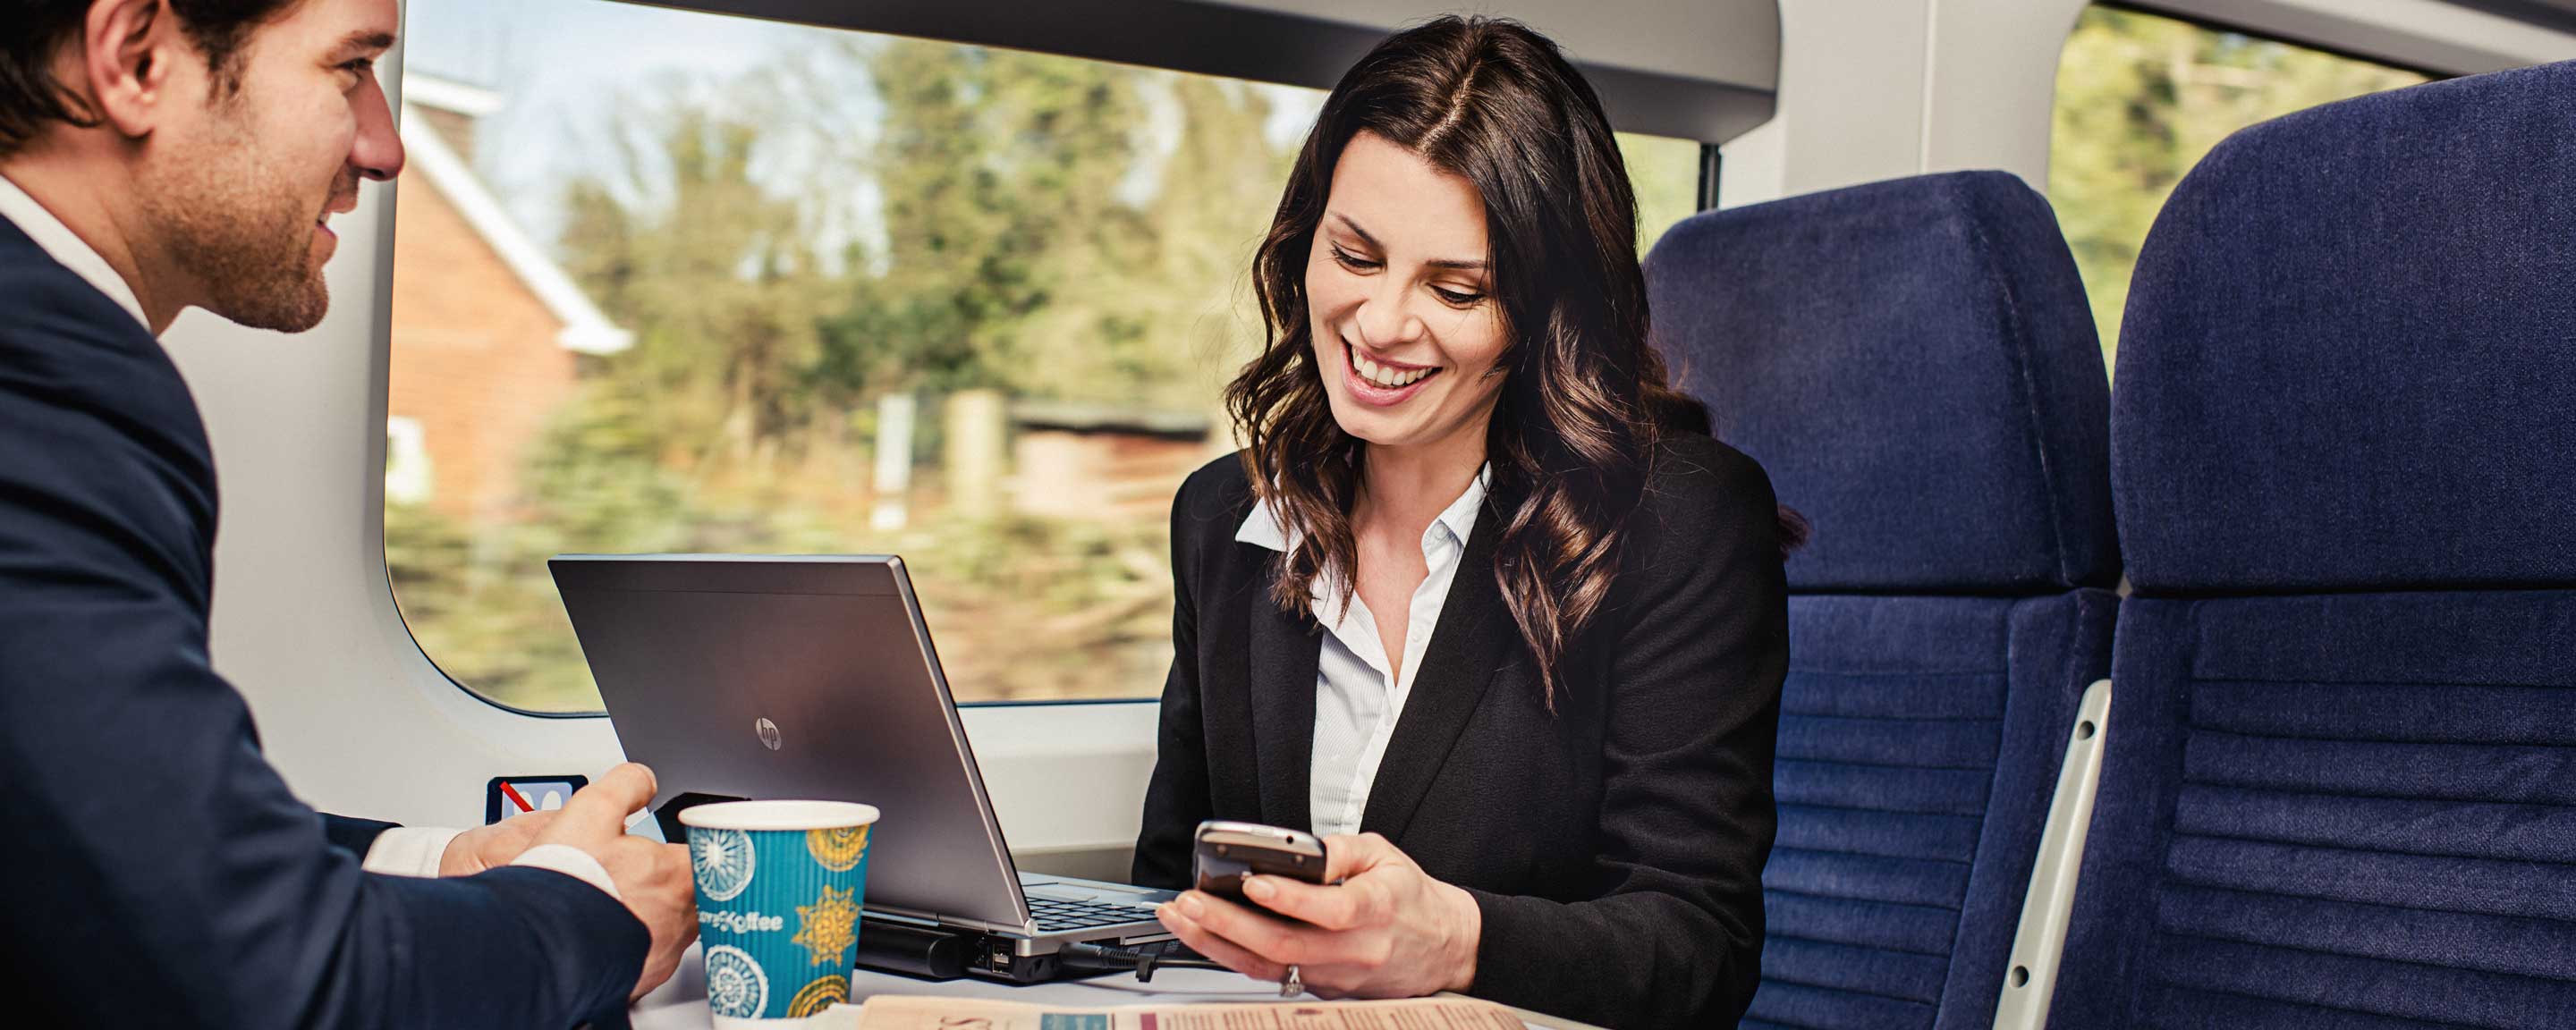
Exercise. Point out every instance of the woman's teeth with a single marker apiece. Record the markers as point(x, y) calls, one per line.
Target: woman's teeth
point(1384, 376)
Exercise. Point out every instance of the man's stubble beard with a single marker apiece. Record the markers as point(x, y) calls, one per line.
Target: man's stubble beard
point(230, 222)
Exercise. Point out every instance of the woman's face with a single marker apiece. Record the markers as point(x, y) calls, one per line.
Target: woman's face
point(1406, 330)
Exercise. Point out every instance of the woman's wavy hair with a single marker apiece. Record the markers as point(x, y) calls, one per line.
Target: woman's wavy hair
point(1585, 398)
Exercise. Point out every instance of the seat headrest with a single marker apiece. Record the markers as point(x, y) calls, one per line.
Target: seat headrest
point(2349, 359)
point(1914, 364)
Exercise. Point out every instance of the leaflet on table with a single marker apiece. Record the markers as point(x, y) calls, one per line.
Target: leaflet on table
point(925, 1012)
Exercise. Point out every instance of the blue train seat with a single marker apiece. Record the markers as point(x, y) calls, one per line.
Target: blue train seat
point(1914, 364)
point(2340, 784)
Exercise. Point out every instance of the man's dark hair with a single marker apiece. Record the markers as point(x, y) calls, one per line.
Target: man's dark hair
point(32, 32)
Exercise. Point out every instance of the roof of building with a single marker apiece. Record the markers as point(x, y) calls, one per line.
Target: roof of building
point(1107, 418)
point(586, 329)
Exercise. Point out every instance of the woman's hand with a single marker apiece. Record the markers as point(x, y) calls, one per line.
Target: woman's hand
point(1387, 930)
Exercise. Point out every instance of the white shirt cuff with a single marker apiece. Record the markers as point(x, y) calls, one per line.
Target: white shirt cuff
point(408, 851)
point(570, 861)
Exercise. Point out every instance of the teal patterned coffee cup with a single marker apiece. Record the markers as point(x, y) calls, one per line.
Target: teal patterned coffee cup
point(780, 884)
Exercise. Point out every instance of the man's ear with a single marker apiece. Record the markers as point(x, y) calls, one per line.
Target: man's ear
point(129, 59)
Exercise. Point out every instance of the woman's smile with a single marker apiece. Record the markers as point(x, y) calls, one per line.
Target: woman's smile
point(1492, 428)
point(1397, 282)
point(1380, 382)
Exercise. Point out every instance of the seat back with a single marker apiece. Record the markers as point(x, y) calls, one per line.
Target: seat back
point(2340, 784)
point(1913, 363)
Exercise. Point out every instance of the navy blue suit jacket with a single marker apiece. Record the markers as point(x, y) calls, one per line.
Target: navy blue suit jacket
point(157, 872)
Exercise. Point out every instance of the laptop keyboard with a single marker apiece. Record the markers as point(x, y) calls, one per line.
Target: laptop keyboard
point(1053, 916)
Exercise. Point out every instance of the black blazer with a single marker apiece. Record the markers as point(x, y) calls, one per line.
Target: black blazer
point(1616, 846)
point(157, 872)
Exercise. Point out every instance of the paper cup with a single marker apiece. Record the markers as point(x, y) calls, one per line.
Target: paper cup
point(780, 884)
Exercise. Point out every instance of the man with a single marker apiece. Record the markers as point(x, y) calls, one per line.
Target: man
point(157, 155)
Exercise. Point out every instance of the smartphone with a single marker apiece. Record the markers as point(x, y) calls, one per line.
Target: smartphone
point(1229, 851)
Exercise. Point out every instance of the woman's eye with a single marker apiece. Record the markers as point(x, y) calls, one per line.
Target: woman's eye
point(1457, 299)
point(1352, 261)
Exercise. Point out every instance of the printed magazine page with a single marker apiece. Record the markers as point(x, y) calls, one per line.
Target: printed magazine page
point(923, 1012)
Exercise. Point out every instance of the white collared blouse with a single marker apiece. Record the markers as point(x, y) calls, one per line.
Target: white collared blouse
point(1356, 702)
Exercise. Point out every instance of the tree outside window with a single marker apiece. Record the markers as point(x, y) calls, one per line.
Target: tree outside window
point(871, 294)
point(2140, 99)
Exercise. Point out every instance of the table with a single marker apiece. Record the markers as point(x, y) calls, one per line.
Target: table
point(682, 1003)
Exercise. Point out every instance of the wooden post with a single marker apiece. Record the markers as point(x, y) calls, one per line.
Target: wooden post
point(894, 461)
point(975, 427)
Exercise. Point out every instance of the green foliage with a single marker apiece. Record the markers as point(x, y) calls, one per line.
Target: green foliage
point(1665, 174)
point(713, 280)
point(1050, 228)
point(2140, 99)
point(995, 166)
point(1027, 607)
point(1015, 252)
point(481, 606)
point(1018, 263)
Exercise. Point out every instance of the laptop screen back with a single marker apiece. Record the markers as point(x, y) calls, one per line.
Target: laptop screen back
point(798, 677)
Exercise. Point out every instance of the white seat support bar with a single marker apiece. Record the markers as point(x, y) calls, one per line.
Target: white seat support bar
point(2031, 980)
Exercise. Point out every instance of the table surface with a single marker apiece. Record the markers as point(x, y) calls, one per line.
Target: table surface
point(682, 1003)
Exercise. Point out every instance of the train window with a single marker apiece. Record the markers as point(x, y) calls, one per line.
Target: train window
point(2140, 98)
point(709, 283)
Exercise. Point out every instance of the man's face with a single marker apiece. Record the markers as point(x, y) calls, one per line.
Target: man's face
point(240, 182)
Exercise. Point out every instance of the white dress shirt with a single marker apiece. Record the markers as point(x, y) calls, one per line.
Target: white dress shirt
point(1356, 702)
point(415, 851)
point(402, 851)
point(61, 244)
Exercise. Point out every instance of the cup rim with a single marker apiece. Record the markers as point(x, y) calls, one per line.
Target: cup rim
point(778, 815)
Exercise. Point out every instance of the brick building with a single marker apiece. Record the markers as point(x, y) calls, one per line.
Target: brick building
point(486, 327)
point(1100, 462)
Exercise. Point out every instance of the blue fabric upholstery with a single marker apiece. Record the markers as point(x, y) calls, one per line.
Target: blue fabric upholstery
point(2333, 810)
point(2375, 293)
point(1919, 743)
point(1913, 364)
point(2340, 782)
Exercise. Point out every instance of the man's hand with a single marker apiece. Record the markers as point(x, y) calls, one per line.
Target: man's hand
point(653, 879)
point(491, 847)
point(1385, 929)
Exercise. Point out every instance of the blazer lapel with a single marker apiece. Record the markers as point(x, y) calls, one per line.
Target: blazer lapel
point(1284, 652)
point(1474, 639)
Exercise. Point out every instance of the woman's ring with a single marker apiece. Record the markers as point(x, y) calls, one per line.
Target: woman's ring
point(1293, 984)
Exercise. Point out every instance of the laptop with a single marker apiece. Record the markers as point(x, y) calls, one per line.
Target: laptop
point(749, 676)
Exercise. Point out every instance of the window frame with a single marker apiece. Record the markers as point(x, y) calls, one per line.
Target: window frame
point(2219, 26)
point(2195, 12)
point(1709, 164)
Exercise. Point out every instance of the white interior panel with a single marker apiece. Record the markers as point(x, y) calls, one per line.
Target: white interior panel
point(361, 723)
point(1734, 41)
point(2449, 38)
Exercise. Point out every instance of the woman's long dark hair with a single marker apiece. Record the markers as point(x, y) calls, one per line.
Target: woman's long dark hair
point(1585, 397)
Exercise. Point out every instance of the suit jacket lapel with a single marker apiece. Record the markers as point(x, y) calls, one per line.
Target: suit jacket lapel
point(1284, 653)
point(1474, 639)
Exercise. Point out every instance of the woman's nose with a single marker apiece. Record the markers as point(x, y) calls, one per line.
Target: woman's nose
point(1384, 320)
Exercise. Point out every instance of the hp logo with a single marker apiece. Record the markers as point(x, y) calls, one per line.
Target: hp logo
point(768, 733)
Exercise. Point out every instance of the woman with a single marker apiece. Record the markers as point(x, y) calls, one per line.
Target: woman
point(1479, 585)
